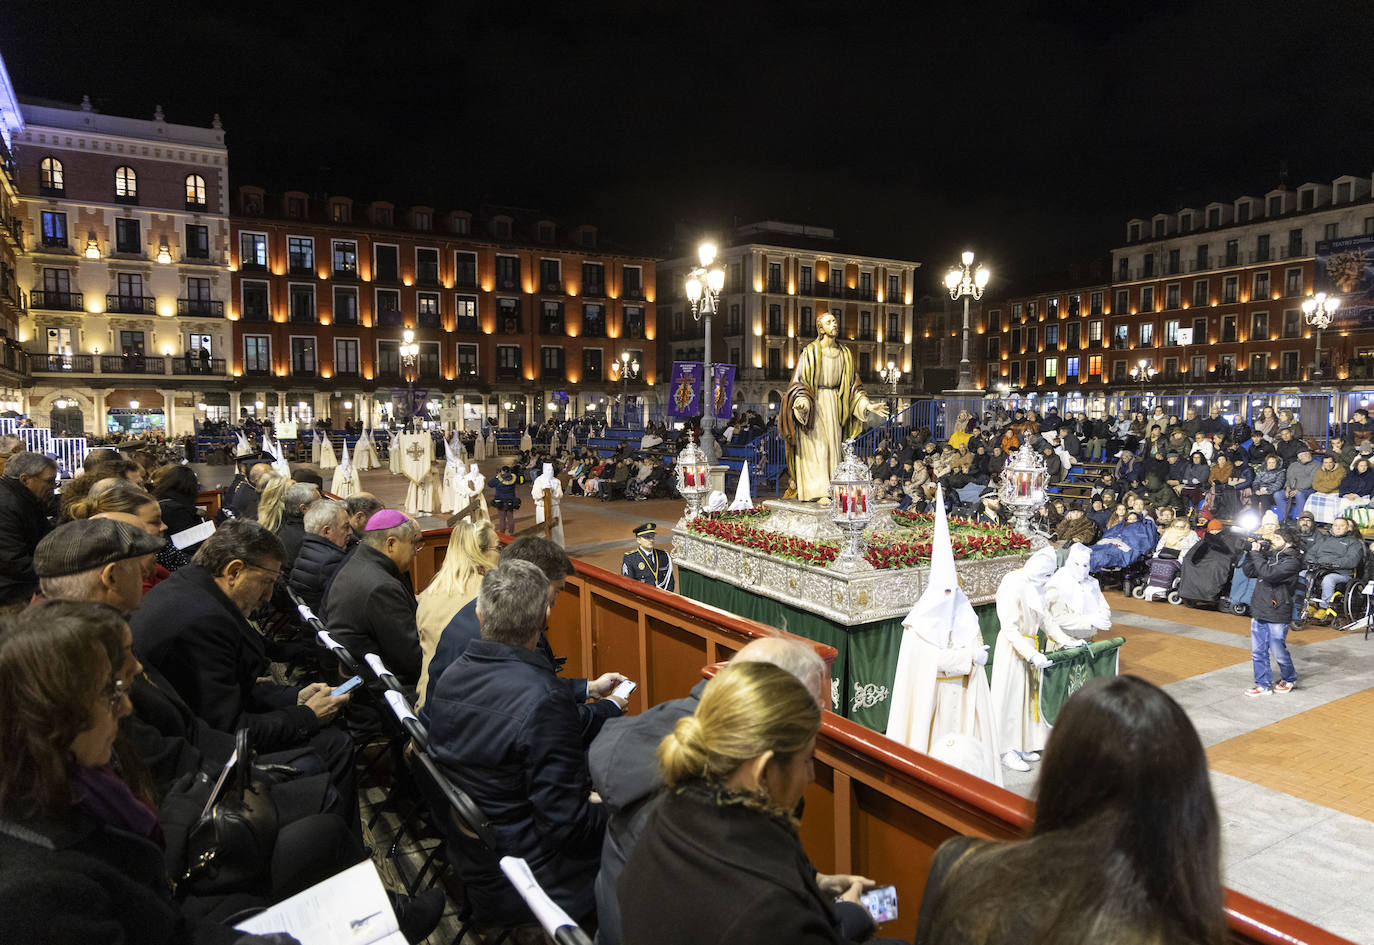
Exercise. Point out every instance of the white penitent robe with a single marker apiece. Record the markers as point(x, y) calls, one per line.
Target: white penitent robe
point(477, 489)
point(940, 687)
point(526, 444)
point(1074, 599)
point(452, 498)
point(479, 448)
point(365, 453)
point(548, 484)
point(395, 460)
point(315, 448)
point(345, 481)
point(1021, 613)
point(327, 458)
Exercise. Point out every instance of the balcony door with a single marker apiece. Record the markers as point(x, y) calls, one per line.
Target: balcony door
point(130, 289)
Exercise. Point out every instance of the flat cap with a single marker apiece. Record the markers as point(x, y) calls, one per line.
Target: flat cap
point(90, 543)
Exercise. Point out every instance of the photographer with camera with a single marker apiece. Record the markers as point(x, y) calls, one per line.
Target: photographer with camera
point(1274, 563)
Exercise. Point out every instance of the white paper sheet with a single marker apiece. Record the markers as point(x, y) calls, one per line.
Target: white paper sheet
point(348, 908)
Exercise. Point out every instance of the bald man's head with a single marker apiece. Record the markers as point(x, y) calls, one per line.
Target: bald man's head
point(798, 658)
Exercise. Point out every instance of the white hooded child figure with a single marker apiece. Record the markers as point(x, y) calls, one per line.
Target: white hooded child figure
point(548, 484)
point(327, 458)
point(451, 497)
point(743, 500)
point(365, 453)
point(940, 687)
point(1017, 660)
point(1074, 598)
point(479, 447)
point(345, 481)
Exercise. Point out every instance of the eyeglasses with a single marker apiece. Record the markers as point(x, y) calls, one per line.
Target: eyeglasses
point(115, 694)
point(275, 574)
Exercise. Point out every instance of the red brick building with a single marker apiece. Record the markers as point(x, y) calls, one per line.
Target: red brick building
point(512, 311)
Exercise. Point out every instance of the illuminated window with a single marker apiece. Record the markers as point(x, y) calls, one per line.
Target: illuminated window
point(126, 185)
point(50, 176)
point(195, 192)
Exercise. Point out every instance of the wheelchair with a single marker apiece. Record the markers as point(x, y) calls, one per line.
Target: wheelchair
point(1348, 602)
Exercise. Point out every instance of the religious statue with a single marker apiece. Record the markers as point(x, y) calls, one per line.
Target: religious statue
point(825, 405)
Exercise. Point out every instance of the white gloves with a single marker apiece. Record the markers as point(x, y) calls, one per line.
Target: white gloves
point(980, 655)
point(1041, 660)
point(1077, 642)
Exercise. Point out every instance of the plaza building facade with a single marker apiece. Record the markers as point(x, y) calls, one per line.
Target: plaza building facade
point(125, 226)
point(779, 278)
point(13, 300)
point(1203, 298)
point(517, 317)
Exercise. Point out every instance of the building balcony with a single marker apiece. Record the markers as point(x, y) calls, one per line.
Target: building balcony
point(552, 288)
point(57, 301)
point(465, 280)
point(131, 304)
point(53, 243)
point(261, 316)
point(301, 271)
point(594, 291)
point(200, 308)
point(428, 280)
point(188, 366)
point(346, 274)
point(14, 359)
point(14, 231)
point(429, 320)
point(196, 206)
point(509, 374)
point(62, 363)
point(634, 294)
point(132, 364)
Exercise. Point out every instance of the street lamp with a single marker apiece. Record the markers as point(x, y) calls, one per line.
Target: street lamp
point(703, 291)
point(890, 375)
point(629, 371)
point(1143, 372)
point(410, 352)
point(1319, 309)
point(966, 282)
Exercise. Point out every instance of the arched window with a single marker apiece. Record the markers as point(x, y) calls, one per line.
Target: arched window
point(50, 174)
point(126, 183)
point(195, 190)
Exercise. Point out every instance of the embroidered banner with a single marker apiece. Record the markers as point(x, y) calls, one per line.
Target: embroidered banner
point(722, 390)
point(684, 399)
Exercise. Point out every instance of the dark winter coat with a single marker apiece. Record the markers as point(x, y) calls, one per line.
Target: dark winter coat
point(506, 730)
point(23, 523)
point(370, 608)
point(200, 641)
point(1277, 574)
point(291, 531)
point(316, 564)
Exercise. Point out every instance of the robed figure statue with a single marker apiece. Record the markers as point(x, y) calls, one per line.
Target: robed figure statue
point(825, 405)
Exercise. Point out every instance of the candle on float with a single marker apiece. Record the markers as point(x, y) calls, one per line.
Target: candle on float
point(844, 499)
point(863, 499)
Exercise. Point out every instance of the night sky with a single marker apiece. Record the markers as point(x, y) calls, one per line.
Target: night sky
point(913, 130)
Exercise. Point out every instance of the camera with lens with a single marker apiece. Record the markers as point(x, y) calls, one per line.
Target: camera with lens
point(1261, 544)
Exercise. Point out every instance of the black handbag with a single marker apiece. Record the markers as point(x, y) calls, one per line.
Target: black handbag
point(229, 849)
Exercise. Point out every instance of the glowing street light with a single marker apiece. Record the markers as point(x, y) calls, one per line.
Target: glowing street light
point(966, 282)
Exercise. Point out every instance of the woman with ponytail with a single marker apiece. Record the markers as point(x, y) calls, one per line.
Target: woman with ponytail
point(720, 859)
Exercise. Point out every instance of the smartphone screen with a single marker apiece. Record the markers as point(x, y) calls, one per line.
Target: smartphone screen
point(624, 689)
point(881, 903)
point(346, 686)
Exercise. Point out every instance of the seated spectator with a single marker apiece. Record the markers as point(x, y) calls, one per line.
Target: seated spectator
point(1193, 478)
point(1325, 501)
point(26, 489)
point(1124, 543)
point(1361, 429)
point(506, 730)
point(177, 490)
point(626, 776)
point(370, 607)
point(725, 830)
point(1116, 883)
point(322, 551)
point(1290, 423)
point(243, 493)
point(192, 627)
point(1268, 483)
point(295, 500)
point(1288, 446)
point(1202, 443)
point(1337, 557)
point(1298, 484)
point(1268, 424)
point(272, 502)
point(360, 507)
point(118, 499)
point(1076, 527)
point(1156, 493)
point(83, 860)
point(1175, 539)
point(472, 552)
point(1343, 452)
point(1358, 484)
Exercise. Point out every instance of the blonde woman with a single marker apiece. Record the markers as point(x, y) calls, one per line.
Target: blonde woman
point(471, 554)
point(724, 830)
point(272, 502)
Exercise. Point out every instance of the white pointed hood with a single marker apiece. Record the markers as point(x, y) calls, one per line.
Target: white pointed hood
point(743, 500)
point(943, 616)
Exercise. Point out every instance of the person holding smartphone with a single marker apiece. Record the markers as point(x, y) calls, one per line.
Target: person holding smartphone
point(1274, 564)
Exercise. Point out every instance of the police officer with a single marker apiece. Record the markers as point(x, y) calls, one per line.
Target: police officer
point(647, 563)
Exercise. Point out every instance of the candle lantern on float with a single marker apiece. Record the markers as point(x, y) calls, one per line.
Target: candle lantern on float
point(851, 506)
point(1022, 489)
point(693, 477)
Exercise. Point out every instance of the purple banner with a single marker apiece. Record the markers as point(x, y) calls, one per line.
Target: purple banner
point(723, 390)
point(684, 393)
point(1345, 268)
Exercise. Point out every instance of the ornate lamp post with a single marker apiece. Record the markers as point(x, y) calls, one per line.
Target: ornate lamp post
point(703, 291)
point(890, 376)
point(410, 353)
point(629, 371)
point(693, 478)
point(966, 282)
point(1143, 372)
point(1022, 489)
point(1319, 310)
point(851, 507)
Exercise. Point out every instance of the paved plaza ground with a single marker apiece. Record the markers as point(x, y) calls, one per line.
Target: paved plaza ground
point(1293, 774)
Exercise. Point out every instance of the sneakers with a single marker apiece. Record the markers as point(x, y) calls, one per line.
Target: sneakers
point(1029, 755)
point(1259, 691)
point(1283, 688)
point(1013, 761)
